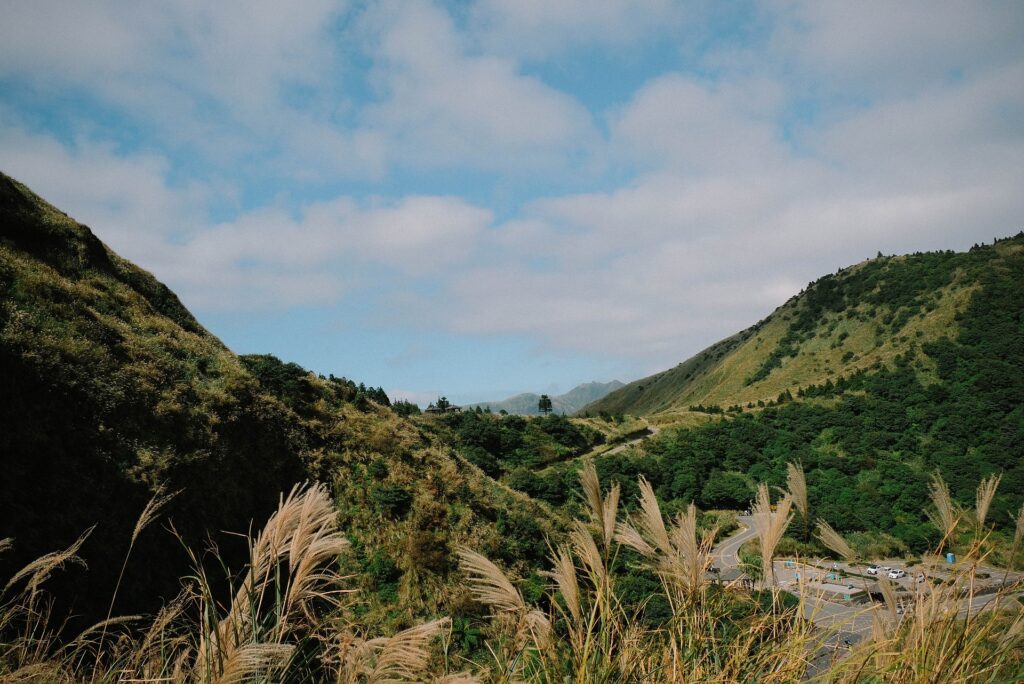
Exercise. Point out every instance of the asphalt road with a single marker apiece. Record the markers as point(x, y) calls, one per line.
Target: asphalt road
point(727, 553)
point(850, 621)
point(844, 624)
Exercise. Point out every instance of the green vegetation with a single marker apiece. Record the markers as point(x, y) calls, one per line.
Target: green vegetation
point(871, 439)
point(291, 616)
point(501, 444)
point(454, 530)
point(113, 392)
point(842, 323)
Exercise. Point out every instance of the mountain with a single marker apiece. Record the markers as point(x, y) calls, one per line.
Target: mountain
point(855, 320)
point(568, 403)
point(876, 379)
point(112, 391)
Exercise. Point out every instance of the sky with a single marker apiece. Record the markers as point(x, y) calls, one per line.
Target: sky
point(487, 197)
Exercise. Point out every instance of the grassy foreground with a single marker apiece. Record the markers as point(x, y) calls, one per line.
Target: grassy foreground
point(284, 618)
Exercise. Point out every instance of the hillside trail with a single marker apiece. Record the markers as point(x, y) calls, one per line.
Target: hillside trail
point(648, 431)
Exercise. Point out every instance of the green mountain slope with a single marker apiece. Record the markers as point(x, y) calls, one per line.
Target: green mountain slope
point(851, 321)
point(572, 401)
point(929, 378)
point(111, 390)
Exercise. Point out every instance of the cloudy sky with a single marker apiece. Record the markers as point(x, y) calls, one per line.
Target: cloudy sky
point(481, 198)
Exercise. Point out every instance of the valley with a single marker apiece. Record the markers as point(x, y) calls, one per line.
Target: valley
point(493, 532)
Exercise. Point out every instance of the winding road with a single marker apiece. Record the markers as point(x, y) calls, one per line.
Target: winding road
point(727, 553)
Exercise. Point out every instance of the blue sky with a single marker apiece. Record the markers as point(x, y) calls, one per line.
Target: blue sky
point(482, 198)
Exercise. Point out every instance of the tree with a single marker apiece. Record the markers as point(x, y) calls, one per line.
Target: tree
point(544, 404)
point(443, 403)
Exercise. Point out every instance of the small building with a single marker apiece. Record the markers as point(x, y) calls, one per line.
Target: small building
point(441, 407)
point(734, 577)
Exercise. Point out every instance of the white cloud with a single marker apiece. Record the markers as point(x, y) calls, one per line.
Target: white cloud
point(442, 106)
point(125, 199)
point(895, 47)
point(852, 128)
point(682, 123)
point(266, 258)
point(330, 249)
point(539, 28)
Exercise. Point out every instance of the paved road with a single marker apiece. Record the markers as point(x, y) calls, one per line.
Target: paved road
point(727, 553)
point(850, 621)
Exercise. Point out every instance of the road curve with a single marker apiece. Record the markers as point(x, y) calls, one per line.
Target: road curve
point(727, 553)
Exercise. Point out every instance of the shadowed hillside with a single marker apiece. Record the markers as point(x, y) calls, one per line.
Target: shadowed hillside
point(112, 390)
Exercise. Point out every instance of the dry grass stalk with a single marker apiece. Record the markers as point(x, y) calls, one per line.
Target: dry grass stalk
point(603, 510)
point(1018, 534)
point(679, 556)
point(770, 526)
point(583, 544)
point(149, 513)
point(694, 558)
point(564, 574)
point(404, 657)
point(303, 533)
point(797, 485)
point(152, 511)
point(252, 659)
point(983, 498)
point(651, 521)
point(835, 542)
point(488, 583)
point(889, 595)
point(39, 570)
point(944, 514)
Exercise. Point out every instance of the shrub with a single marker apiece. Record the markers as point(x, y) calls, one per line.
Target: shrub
point(391, 500)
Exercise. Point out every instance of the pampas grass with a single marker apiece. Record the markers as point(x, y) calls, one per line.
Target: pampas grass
point(603, 509)
point(835, 542)
point(944, 514)
point(770, 525)
point(677, 553)
point(286, 621)
point(796, 482)
point(1018, 533)
point(489, 583)
point(983, 499)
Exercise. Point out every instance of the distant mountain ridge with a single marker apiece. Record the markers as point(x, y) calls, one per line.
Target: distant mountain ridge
point(572, 401)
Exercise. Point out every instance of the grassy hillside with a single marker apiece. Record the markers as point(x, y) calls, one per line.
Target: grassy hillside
point(112, 391)
point(853, 320)
point(874, 379)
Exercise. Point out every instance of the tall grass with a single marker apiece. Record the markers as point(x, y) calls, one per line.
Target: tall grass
point(796, 482)
point(285, 617)
point(282, 622)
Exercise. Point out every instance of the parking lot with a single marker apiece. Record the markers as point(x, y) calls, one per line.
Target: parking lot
point(842, 582)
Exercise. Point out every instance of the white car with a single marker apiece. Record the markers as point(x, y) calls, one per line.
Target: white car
point(872, 569)
point(896, 573)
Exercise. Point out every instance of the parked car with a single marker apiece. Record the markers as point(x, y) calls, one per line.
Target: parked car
point(872, 569)
point(896, 573)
